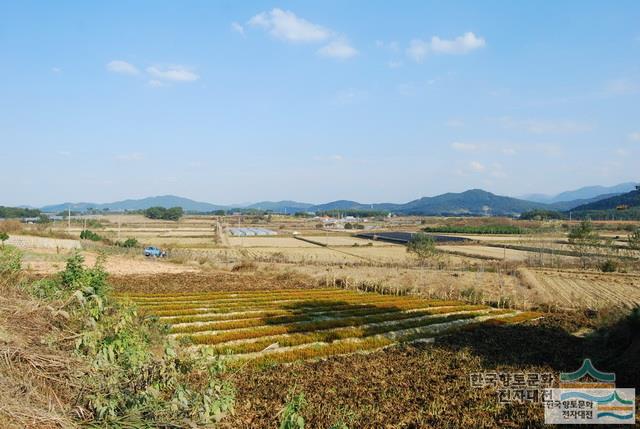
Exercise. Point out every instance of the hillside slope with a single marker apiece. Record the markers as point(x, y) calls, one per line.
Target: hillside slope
point(472, 202)
point(138, 204)
point(630, 199)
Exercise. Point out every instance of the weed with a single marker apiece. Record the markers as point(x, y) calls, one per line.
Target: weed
point(291, 417)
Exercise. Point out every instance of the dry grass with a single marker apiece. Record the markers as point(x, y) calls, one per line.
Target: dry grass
point(37, 381)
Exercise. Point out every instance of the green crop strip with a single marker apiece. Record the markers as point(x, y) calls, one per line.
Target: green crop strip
point(337, 315)
point(181, 311)
point(263, 331)
point(336, 334)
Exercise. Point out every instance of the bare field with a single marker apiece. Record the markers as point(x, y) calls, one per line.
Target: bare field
point(48, 263)
point(571, 288)
point(345, 240)
point(268, 241)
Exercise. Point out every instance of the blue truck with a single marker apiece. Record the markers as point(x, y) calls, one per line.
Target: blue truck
point(152, 251)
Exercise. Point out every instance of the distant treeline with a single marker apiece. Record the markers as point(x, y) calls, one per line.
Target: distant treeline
point(542, 215)
point(353, 212)
point(480, 229)
point(173, 213)
point(13, 212)
point(632, 213)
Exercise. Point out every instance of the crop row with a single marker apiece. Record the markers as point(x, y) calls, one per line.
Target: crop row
point(239, 303)
point(263, 331)
point(328, 336)
point(249, 299)
point(177, 295)
point(293, 305)
point(331, 315)
point(365, 344)
point(207, 316)
point(361, 297)
point(237, 296)
point(218, 322)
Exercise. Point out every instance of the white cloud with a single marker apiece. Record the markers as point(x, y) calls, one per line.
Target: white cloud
point(237, 28)
point(130, 157)
point(464, 147)
point(285, 25)
point(460, 45)
point(477, 166)
point(339, 49)
point(56, 70)
point(418, 49)
point(122, 67)
point(635, 137)
point(508, 151)
point(174, 73)
point(621, 152)
point(394, 64)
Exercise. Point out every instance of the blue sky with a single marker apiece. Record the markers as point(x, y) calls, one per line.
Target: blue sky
point(230, 102)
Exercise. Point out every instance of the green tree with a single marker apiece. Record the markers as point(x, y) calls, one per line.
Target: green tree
point(423, 246)
point(174, 213)
point(130, 242)
point(3, 237)
point(582, 237)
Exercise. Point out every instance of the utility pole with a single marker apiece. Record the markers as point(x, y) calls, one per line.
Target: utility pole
point(68, 219)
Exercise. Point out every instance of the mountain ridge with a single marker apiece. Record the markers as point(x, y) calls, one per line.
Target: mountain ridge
point(469, 202)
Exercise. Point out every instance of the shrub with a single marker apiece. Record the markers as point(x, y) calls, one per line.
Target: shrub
point(130, 242)
point(136, 378)
point(3, 237)
point(608, 266)
point(422, 245)
point(86, 234)
point(291, 418)
point(10, 260)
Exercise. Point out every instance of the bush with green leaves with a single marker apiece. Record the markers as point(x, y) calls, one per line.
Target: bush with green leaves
point(130, 243)
point(86, 234)
point(137, 377)
point(291, 417)
point(608, 266)
point(3, 237)
point(423, 246)
point(10, 260)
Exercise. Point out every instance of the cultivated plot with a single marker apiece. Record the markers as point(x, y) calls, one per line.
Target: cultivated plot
point(288, 325)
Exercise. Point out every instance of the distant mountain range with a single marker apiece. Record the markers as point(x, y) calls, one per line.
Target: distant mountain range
point(471, 202)
point(586, 193)
point(630, 199)
point(140, 204)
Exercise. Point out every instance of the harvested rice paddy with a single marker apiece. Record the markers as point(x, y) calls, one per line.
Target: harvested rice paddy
point(267, 326)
